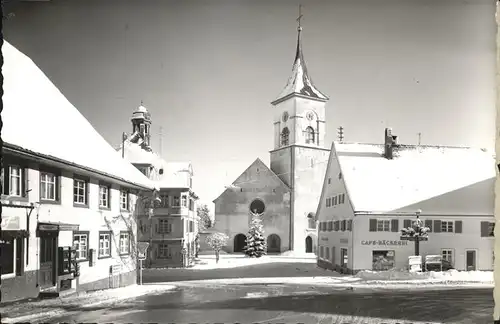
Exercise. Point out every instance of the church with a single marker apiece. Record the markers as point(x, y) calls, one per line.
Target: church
point(286, 194)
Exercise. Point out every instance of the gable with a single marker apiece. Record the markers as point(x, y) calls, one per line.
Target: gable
point(256, 177)
point(416, 175)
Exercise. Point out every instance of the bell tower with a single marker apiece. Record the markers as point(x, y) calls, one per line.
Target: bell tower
point(141, 124)
point(299, 156)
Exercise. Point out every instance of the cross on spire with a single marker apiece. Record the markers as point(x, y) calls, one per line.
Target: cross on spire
point(300, 17)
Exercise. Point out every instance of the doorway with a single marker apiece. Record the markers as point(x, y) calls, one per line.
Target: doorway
point(309, 244)
point(470, 260)
point(240, 242)
point(273, 244)
point(48, 247)
point(382, 260)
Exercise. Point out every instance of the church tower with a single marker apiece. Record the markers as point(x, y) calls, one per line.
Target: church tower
point(299, 156)
point(141, 126)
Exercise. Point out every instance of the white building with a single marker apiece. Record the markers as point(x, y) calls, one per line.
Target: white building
point(172, 226)
point(64, 188)
point(372, 191)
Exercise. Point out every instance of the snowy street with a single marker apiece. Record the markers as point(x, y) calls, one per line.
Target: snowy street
point(274, 289)
point(289, 303)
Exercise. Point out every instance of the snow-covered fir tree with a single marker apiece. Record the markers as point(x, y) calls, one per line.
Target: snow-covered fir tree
point(256, 242)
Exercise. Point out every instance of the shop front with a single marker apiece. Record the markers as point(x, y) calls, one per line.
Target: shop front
point(381, 255)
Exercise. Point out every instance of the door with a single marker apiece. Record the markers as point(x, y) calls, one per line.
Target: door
point(273, 244)
point(309, 244)
point(470, 259)
point(240, 242)
point(48, 262)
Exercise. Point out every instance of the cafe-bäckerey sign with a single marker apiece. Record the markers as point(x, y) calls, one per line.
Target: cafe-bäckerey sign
point(385, 243)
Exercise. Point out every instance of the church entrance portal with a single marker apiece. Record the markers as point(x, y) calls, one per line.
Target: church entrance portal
point(240, 241)
point(309, 244)
point(273, 244)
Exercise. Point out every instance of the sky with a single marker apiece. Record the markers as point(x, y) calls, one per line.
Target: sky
point(208, 70)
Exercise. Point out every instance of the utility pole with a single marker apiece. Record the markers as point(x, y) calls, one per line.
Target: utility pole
point(419, 138)
point(340, 134)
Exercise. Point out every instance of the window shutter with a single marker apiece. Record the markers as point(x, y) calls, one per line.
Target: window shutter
point(395, 225)
point(342, 225)
point(484, 229)
point(406, 223)
point(24, 186)
point(458, 226)
point(437, 226)
point(349, 225)
point(373, 225)
point(6, 180)
point(428, 223)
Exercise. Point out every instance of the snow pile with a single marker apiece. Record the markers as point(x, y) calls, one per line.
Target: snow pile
point(446, 276)
point(297, 254)
point(207, 262)
point(48, 307)
point(320, 280)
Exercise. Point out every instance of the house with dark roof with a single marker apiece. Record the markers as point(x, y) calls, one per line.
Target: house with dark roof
point(68, 198)
point(168, 221)
point(372, 191)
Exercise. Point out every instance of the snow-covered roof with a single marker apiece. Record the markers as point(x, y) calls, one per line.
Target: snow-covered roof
point(415, 174)
point(135, 154)
point(175, 175)
point(37, 117)
point(300, 82)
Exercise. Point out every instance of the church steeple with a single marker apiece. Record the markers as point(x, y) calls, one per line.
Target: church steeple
point(300, 83)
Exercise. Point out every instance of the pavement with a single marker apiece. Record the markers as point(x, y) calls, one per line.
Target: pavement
point(293, 304)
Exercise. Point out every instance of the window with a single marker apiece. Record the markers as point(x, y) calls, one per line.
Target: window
point(327, 253)
point(124, 243)
point(104, 245)
point(349, 225)
point(164, 251)
point(176, 201)
point(327, 202)
point(79, 192)
point(335, 200)
point(164, 226)
point(81, 245)
point(14, 186)
point(184, 201)
point(103, 196)
point(383, 225)
point(191, 204)
point(257, 206)
point(48, 183)
point(321, 252)
point(124, 200)
point(285, 135)
point(342, 198)
point(447, 255)
point(165, 201)
point(343, 225)
point(309, 135)
point(7, 248)
point(344, 258)
point(447, 226)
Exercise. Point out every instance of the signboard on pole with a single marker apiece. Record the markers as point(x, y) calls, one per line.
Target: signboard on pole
point(142, 248)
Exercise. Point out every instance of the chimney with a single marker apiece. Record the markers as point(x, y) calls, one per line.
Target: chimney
point(390, 142)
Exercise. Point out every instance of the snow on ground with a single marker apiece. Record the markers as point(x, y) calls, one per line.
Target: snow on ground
point(240, 260)
point(47, 307)
point(451, 275)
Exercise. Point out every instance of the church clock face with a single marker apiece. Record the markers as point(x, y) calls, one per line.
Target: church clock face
point(310, 115)
point(285, 117)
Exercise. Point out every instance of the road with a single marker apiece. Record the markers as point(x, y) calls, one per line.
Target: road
point(258, 303)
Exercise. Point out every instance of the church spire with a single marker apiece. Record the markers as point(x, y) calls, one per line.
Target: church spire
point(300, 82)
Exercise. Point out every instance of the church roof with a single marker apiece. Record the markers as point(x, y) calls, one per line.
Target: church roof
point(38, 118)
point(300, 83)
point(415, 175)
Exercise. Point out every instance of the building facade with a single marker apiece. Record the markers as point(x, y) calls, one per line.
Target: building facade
point(292, 184)
point(68, 218)
point(371, 192)
point(167, 221)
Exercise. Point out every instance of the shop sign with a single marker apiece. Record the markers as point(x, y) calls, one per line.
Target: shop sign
point(48, 227)
point(11, 223)
point(344, 241)
point(324, 238)
point(385, 242)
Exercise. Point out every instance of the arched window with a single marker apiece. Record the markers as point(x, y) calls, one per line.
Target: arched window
point(309, 135)
point(285, 135)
